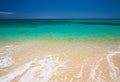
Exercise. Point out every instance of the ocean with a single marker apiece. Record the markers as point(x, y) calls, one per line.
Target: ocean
point(60, 30)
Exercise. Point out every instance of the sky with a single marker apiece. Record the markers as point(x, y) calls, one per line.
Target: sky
point(40, 9)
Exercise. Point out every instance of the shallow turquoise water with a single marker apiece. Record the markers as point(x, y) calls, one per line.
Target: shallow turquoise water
point(60, 30)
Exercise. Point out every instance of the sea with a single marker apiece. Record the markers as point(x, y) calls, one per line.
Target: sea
point(51, 29)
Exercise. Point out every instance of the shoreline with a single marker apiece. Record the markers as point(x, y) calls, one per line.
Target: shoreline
point(66, 40)
point(73, 53)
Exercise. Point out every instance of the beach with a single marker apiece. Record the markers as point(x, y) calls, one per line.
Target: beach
point(59, 51)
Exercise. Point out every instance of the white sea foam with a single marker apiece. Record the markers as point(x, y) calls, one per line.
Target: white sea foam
point(6, 61)
point(114, 70)
point(6, 53)
point(19, 71)
point(9, 49)
point(46, 68)
point(94, 70)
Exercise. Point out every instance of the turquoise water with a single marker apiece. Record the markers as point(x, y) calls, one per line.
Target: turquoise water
point(102, 30)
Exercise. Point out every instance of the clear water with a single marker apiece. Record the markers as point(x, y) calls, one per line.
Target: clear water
point(60, 30)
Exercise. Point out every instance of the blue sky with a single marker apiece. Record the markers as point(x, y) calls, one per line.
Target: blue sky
point(59, 9)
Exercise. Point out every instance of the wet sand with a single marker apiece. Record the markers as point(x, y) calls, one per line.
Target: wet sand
point(59, 61)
